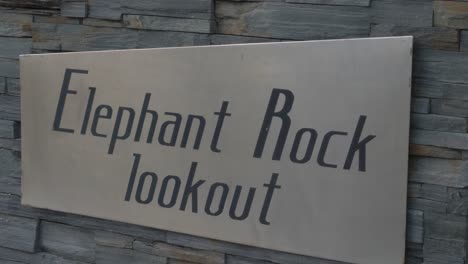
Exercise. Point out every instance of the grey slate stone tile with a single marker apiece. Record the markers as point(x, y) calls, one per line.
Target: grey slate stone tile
point(9, 107)
point(417, 13)
point(415, 226)
point(230, 259)
point(291, 21)
point(46, 4)
point(11, 144)
point(70, 242)
point(445, 226)
point(333, 2)
point(451, 14)
point(464, 40)
point(110, 255)
point(181, 253)
point(427, 205)
point(428, 192)
point(420, 105)
point(439, 139)
point(12, 47)
point(219, 39)
point(2, 85)
point(452, 173)
point(242, 250)
point(168, 23)
point(110, 239)
point(445, 249)
point(56, 20)
point(10, 172)
point(18, 232)
point(450, 107)
point(7, 129)
point(156, 39)
point(101, 23)
point(14, 24)
point(13, 86)
point(46, 36)
point(73, 8)
point(436, 152)
point(46, 258)
point(105, 9)
point(424, 37)
point(439, 122)
point(458, 202)
point(201, 9)
point(8, 254)
point(442, 90)
point(9, 67)
point(440, 65)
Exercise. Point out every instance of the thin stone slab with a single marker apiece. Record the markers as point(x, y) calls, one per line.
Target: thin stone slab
point(439, 139)
point(415, 13)
point(73, 8)
point(436, 152)
point(464, 40)
point(13, 86)
point(291, 21)
point(111, 255)
point(56, 20)
point(424, 37)
point(452, 173)
point(333, 2)
point(18, 232)
point(9, 67)
point(437, 89)
point(46, 258)
point(10, 172)
point(14, 24)
point(428, 191)
point(427, 205)
point(10, 107)
point(445, 249)
point(231, 259)
point(67, 241)
point(420, 105)
point(458, 201)
point(450, 107)
point(451, 14)
point(15, 256)
point(12, 47)
point(2, 85)
point(95, 22)
point(201, 9)
point(159, 39)
point(168, 23)
point(243, 250)
point(442, 66)
point(48, 4)
point(111, 239)
point(439, 122)
point(414, 226)
point(445, 226)
point(219, 39)
point(181, 253)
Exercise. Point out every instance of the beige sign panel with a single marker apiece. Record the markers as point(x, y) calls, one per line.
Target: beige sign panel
point(299, 147)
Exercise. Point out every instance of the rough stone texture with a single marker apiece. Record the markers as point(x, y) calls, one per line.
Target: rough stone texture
point(440, 139)
point(451, 14)
point(436, 152)
point(18, 233)
point(70, 242)
point(333, 2)
point(449, 107)
point(73, 8)
point(110, 255)
point(437, 219)
point(180, 253)
point(420, 105)
point(439, 122)
point(13, 86)
point(291, 21)
point(453, 173)
point(13, 47)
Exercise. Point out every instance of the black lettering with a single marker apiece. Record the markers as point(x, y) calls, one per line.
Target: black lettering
point(115, 131)
point(98, 115)
point(219, 124)
point(152, 188)
point(191, 190)
point(175, 131)
point(358, 145)
point(266, 204)
point(63, 95)
point(222, 200)
point(282, 115)
point(175, 191)
point(310, 145)
point(247, 205)
point(141, 121)
point(188, 128)
point(324, 146)
point(89, 106)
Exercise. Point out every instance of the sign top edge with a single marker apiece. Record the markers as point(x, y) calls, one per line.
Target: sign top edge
point(405, 38)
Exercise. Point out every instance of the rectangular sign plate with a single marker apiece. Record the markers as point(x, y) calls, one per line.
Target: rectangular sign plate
point(300, 147)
